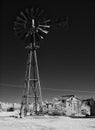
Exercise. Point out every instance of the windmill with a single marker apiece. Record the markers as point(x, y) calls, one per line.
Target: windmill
point(32, 25)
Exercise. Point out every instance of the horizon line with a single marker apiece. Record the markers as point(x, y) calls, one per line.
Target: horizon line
point(53, 89)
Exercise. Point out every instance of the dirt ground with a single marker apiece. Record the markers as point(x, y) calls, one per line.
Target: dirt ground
point(45, 123)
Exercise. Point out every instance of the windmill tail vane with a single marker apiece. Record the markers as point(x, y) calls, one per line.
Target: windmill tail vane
point(60, 22)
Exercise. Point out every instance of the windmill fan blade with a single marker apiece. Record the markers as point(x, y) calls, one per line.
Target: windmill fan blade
point(20, 19)
point(23, 15)
point(31, 12)
point(41, 34)
point(37, 10)
point(42, 37)
point(44, 26)
point(18, 30)
point(44, 31)
point(28, 14)
point(46, 21)
point(23, 36)
point(27, 34)
point(40, 15)
point(18, 25)
point(27, 40)
point(20, 33)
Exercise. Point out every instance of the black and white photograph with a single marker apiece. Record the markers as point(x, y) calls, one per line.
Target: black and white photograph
point(47, 65)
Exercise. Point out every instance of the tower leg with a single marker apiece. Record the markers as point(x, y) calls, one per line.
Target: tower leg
point(32, 91)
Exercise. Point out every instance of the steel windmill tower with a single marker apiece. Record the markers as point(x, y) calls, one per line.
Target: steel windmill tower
point(32, 25)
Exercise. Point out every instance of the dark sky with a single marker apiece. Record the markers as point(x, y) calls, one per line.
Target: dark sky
point(66, 58)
